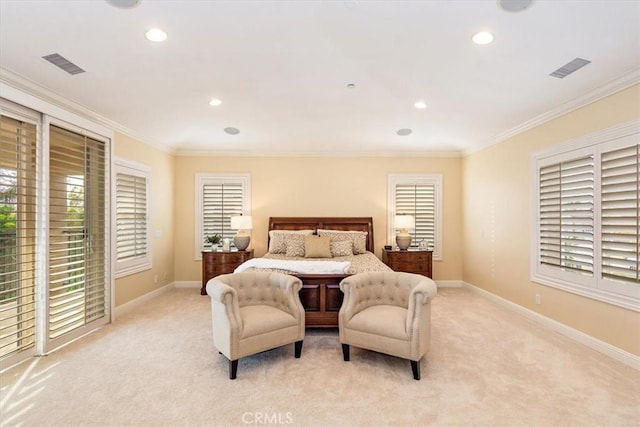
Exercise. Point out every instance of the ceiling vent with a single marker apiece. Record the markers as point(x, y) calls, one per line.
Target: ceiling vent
point(63, 63)
point(569, 68)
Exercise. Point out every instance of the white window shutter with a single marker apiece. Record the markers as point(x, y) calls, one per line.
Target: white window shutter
point(566, 215)
point(620, 213)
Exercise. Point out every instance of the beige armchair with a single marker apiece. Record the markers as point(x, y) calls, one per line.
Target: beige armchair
point(253, 312)
point(387, 312)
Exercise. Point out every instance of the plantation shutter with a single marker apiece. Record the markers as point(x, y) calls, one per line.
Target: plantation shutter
point(418, 200)
point(131, 216)
point(18, 183)
point(220, 202)
point(620, 184)
point(566, 215)
point(77, 258)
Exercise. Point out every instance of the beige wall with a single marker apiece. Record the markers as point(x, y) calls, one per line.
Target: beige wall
point(162, 211)
point(497, 204)
point(287, 186)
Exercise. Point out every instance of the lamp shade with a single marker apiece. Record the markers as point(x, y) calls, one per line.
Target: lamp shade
point(404, 222)
point(242, 222)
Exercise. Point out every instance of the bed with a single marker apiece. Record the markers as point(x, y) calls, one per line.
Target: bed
point(320, 294)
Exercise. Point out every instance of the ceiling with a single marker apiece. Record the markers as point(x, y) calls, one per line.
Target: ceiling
point(282, 69)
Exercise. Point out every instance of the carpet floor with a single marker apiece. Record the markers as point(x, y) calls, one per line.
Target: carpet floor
point(156, 366)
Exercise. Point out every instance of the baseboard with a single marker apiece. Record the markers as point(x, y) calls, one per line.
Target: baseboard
point(188, 284)
point(616, 353)
point(128, 306)
point(449, 283)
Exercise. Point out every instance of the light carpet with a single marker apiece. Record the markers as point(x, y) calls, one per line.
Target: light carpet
point(156, 366)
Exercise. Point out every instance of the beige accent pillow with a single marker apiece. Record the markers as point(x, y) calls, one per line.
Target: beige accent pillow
point(278, 242)
point(317, 247)
point(294, 244)
point(358, 238)
point(341, 248)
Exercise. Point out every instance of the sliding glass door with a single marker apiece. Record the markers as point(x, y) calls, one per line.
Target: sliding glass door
point(77, 220)
point(54, 245)
point(17, 235)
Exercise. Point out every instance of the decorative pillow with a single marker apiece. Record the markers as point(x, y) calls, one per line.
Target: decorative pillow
point(358, 238)
point(277, 239)
point(341, 248)
point(317, 247)
point(295, 244)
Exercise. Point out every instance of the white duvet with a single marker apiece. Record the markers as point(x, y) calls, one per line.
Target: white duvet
point(297, 266)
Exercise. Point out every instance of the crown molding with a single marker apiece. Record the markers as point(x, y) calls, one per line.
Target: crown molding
point(32, 88)
point(607, 89)
point(212, 153)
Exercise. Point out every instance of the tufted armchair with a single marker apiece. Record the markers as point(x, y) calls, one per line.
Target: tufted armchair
point(254, 312)
point(387, 312)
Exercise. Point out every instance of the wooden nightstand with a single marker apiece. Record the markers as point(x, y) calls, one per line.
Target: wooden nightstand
point(412, 261)
point(216, 263)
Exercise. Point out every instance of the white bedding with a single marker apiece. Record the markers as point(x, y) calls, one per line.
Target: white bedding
point(296, 266)
point(357, 263)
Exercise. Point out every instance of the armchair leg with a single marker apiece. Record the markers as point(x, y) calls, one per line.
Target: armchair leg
point(345, 352)
point(298, 349)
point(415, 367)
point(233, 369)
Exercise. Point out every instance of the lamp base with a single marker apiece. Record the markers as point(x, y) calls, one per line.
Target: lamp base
point(241, 241)
point(403, 241)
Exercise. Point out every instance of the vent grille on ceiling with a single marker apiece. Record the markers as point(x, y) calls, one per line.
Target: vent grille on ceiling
point(569, 68)
point(63, 63)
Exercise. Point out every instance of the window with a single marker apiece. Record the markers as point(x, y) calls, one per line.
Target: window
point(218, 198)
point(420, 196)
point(588, 216)
point(133, 246)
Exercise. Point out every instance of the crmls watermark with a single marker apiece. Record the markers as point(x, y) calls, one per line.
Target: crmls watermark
point(267, 418)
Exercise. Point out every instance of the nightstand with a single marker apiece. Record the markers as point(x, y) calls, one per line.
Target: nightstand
point(216, 263)
point(411, 261)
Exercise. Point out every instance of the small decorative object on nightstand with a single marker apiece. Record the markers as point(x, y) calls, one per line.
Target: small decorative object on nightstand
point(418, 262)
point(216, 263)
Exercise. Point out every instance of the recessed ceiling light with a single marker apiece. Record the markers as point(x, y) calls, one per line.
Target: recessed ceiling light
point(215, 102)
point(351, 85)
point(124, 4)
point(514, 5)
point(232, 131)
point(404, 132)
point(156, 35)
point(483, 37)
point(420, 105)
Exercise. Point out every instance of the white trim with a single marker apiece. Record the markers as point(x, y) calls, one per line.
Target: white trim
point(449, 283)
point(70, 117)
point(137, 302)
point(607, 349)
point(302, 154)
point(188, 284)
point(10, 81)
point(608, 89)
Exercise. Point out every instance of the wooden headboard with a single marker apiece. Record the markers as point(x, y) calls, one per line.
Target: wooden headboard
point(329, 223)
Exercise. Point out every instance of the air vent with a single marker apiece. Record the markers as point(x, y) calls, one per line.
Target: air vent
point(569, 68)
point(63, 63)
